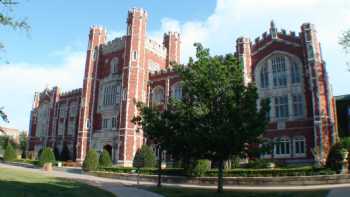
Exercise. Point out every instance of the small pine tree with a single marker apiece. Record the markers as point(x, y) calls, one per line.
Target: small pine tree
point(90, 163)
point(10, 153)
point(146, 156)
point(47, 156)
point(105, 160)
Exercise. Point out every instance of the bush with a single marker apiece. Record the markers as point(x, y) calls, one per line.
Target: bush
point(145, 157)
point(334, 157)
point(90, 163)
point(345, 143)
point(201, 167)
point(47, 156)
point(298, 171)
point(10, 153)
point(258, 163)
point(105, 160)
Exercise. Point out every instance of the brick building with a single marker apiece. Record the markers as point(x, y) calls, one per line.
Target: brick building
point(287, 68)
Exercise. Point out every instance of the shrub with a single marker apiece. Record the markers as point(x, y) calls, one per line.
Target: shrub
point(90, 163)
point(47, 156)
point(345, 143)
point(105, 160)
point(10, 153)
point(258, 163)
point(334, 157)
point(145, 157)
point(201, 167)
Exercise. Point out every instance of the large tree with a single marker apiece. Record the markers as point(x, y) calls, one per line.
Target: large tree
point(217, 115)
point(229, 115)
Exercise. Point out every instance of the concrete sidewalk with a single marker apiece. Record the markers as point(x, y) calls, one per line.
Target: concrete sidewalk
point(124, 187)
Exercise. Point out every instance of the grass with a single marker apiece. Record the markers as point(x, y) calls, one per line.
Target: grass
point(18, 183)
point(186, 192)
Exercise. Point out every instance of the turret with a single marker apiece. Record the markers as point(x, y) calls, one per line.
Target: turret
point(97, 37)
point(171, 42)
point(243, 49)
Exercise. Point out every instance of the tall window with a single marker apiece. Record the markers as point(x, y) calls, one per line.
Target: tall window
point(111, 94)
point(281, 106)
point(299, 145)
point(177, 91)
point(279, 71)
point(114, 122)
point(264, 76)
point(282, 147)
point(114, 65)
point(158, 96)
point(295, 73)
point(105, 123)
point(297, 105)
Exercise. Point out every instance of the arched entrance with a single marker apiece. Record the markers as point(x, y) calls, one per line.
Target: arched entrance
point(108, 148)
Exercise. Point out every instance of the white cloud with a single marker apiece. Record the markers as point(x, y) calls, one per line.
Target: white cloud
point(19, 81)
point(234, 18)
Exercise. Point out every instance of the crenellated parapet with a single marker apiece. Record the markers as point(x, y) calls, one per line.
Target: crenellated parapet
point(114, 45)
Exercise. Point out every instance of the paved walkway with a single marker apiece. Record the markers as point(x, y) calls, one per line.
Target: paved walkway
point(123, 188)
point(117, 187)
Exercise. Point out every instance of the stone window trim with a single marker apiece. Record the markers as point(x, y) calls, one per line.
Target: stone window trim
point(176, 91)
point(158, 95)
point(282, 147)
point(114, 65)
point(290, 89)
point(299, 146)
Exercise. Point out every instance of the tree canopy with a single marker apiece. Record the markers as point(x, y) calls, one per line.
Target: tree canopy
point(217, 115)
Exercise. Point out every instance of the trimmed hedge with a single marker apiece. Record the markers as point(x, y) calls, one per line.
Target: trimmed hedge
point(105, 160)
point(47, 156)
point(91, 161)
point(302, 171)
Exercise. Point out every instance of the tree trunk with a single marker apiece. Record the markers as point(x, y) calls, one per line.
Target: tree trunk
point(221, 176)
point(159, 184)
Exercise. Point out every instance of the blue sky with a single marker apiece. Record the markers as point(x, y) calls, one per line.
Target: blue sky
point(53, 52)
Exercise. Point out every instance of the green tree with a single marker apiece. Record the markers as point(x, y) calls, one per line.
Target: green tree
point(146, 157)
point(91, 161)
point(47, 156)
point(10, 153)
point(105, 160)
point(216, 117)
point(228, 111)
point(23, 140)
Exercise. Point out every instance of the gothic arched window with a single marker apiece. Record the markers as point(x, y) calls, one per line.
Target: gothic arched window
point(295, 73)
point(264, 76)
point(176, 91)
point(158, 95)
point(279, 71)
point(114, 65)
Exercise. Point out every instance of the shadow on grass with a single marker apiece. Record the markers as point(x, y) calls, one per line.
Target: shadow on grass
point(187, 192)
point(58, 188)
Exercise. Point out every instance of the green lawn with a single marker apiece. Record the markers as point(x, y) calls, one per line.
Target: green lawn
point(185, 192)
point(17, 183)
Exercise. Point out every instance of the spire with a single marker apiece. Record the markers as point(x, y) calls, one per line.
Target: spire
point(273, 30)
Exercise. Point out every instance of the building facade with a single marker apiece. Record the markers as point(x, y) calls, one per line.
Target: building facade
point(287, 68)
